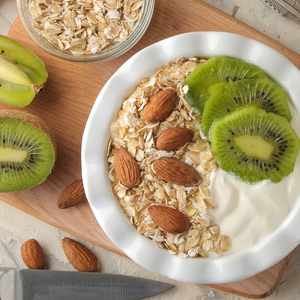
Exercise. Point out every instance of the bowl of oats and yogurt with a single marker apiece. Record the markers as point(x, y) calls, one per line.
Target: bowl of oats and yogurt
point(220, 204)
point(85, 31)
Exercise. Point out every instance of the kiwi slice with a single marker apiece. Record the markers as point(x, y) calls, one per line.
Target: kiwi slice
point(214, 73)
point(22, 73)
point(255, 145)
point(27, 151)
point(262, 93)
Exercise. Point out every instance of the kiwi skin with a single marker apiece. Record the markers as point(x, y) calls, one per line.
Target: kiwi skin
point(35, 121)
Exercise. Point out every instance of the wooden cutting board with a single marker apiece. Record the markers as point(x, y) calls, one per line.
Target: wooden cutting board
point(65, 104)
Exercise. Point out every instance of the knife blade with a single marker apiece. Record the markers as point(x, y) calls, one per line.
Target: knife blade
point(26, 284)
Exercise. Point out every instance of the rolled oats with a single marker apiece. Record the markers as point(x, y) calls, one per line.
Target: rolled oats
point(133, 132)
point(85, 26)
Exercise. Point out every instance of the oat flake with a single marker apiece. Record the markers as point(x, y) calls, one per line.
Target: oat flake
point(203, 236)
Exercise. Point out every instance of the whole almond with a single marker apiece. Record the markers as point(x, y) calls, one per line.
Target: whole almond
point(71, 195)
point(126, 168)
point(79, 256)
point(175, 171)
point(174, 138)
point(33, 254)
point(160, 106)
point(169, 219)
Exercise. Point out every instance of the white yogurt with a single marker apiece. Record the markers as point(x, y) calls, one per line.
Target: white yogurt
point(248, 213)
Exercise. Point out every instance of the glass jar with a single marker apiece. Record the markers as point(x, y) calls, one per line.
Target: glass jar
point(109, 53)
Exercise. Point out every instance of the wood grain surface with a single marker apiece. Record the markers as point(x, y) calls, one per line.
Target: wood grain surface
point(65, 104)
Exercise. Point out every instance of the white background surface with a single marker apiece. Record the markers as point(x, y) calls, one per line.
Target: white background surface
point(16, 227)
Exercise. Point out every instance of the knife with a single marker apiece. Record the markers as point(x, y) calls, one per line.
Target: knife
point(289, 7)
point(26, 284)
point(285, 8)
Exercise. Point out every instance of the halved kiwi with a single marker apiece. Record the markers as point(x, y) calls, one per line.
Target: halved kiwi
point(262, 93)
point(255, 145)
point(214, 73)
point(27, 151)
point(22, 73)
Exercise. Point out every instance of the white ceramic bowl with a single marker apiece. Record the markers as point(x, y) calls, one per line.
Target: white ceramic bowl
point(97, 186)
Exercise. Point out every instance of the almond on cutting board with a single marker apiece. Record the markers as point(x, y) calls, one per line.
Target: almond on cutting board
point(175, 171)
point(169, 219)
point(127, 168)
point(71, 195)
point(174, 138)
point(33, 254)
point(160, 106)
point(79, 256)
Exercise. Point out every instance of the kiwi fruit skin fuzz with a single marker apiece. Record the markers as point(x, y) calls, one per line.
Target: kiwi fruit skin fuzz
point(262, 93)
point(255, 145)
point(214, 73)
point(28, 151)
point(22, 73)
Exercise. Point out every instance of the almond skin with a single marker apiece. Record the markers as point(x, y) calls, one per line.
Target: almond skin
point(174, 138)
point(127, 168)
point(159, 106)
point(33, 255)
point(169, 219)
point(79, 256)
point(175, 171)
point(72, 195)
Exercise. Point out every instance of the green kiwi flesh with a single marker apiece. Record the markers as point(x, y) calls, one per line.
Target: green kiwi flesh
point(22, 73)
point(27, 151)
point(214, 73)
point(262, 93)
point(254, 145)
